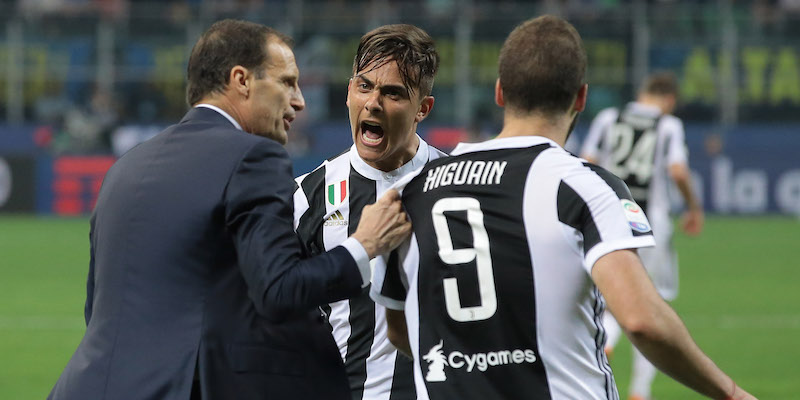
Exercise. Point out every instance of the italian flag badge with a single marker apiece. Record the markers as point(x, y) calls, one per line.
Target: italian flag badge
point(337, 192)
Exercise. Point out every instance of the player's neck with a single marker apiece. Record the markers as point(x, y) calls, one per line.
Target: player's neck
point(554, 129)
point(659, 102)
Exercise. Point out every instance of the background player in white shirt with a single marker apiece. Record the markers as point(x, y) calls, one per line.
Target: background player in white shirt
point(515, 240)
point(388, 95)
point(644, 145)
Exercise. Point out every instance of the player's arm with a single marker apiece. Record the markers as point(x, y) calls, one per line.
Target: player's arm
point(693, 218)
point(678, 161)
point(389, 289)
point(655, 329)
point(397, 331)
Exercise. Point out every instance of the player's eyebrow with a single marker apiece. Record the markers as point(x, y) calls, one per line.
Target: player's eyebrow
point(384, 88)
point(364, 78)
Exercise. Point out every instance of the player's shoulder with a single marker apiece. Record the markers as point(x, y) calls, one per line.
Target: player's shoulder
point(419, 173)
point(671, 123)
point(607, 115)
point(434, 153)
point(559, 160)
point(436, 158)
point(339, 164)
point(614, 182)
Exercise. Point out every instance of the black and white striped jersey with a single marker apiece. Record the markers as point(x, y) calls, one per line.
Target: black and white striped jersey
point(495, 281)
point(328, 204)
point(638, 144)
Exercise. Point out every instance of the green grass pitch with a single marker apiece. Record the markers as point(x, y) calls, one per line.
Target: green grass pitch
point(740, 298)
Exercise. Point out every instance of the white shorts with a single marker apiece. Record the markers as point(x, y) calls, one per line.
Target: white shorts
point(661, 261)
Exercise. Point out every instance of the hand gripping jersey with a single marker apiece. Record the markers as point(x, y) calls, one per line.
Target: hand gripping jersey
point(495, 281)
point(328, 204)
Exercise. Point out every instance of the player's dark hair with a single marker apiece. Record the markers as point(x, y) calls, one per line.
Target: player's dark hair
point(410, 46)
point(224, 45)
point(662, 83)
point(542, 66)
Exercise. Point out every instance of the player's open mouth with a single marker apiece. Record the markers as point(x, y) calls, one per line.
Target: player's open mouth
point(371, 133)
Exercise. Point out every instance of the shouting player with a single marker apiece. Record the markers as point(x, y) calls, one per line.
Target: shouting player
point(388, 95)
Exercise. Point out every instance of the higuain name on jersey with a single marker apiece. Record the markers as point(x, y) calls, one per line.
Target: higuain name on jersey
point(468, 172)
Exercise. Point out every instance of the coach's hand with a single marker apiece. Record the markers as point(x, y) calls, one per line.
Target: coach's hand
point(383, 225)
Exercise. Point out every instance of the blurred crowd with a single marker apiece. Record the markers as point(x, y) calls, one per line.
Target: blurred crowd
point(112, 117)
point(769, 10)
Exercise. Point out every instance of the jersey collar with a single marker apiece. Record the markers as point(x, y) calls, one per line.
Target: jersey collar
point(503, 143)
point(644, 108)
point(419, 159)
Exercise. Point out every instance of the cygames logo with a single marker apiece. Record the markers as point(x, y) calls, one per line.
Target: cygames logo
point(481, 361)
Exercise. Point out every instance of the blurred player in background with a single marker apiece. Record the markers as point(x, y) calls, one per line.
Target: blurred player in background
point(388, 95)
point(644, 145)
point(514, 242)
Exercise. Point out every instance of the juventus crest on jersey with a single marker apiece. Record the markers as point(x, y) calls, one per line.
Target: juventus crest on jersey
point(495, 281)
point(328, 204)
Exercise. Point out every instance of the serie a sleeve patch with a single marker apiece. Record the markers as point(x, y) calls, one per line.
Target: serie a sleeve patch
point(635, 216)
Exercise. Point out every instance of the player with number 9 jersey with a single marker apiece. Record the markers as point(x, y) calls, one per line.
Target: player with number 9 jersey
point(517, 247)
point(495, 282)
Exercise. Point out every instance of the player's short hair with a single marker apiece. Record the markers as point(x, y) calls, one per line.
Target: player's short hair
point(542, 66)
point(224, 45)
point(661, 83)
point(410, 46)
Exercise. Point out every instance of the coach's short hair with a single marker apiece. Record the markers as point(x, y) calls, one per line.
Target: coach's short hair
point(410, 46)
point(542, 66)
point(224, 45)
point(661, 83)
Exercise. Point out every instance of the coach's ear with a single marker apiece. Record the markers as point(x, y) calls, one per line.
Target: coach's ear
point(240, 80)
point(498, 93)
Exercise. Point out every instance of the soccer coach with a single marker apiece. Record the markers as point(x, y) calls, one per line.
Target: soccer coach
point(197, 285)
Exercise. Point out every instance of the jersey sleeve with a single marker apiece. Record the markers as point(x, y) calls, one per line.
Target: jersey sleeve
point(599, 206)
point(389, 280)
point(676, 152)
point(591, 145)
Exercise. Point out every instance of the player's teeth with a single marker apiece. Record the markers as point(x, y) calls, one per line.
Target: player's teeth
point(366, 139)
